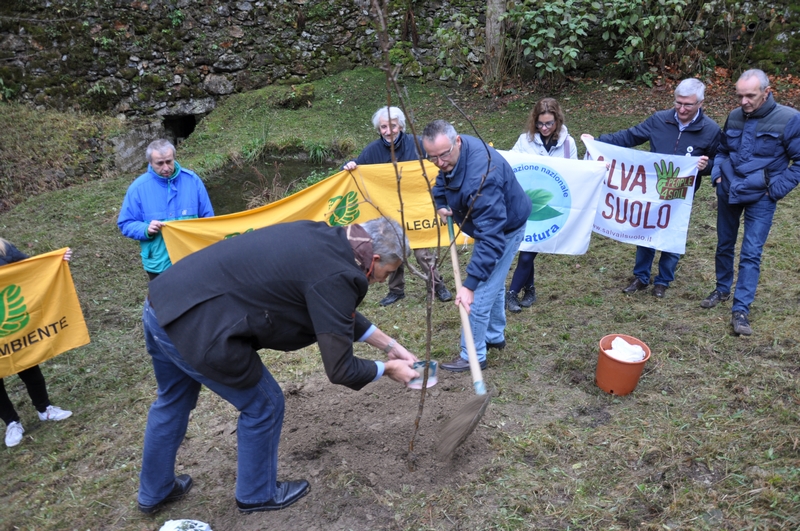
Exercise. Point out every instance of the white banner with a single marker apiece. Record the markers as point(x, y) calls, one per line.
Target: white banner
point(646, 198)
point(565, 194)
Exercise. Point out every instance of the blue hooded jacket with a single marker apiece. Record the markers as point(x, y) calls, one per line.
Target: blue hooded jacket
point(502, 206)
point(152, 196)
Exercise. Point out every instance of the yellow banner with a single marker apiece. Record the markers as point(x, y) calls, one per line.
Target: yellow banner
point(40, 316)
point(344, 198)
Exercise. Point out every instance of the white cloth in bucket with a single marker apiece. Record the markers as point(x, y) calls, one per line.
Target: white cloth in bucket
point(185, 525)
point(623, 351)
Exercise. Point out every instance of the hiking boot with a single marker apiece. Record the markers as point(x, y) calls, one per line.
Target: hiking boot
point(442, 293)
point(54, 413)
point(392, 298)
point(512, 302)
point(636, 285)
point(714, 298)
point(14, 433)
point(528, 297)
point(741, 326)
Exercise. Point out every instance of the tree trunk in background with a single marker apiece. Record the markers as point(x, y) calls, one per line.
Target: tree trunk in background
point(493, 63)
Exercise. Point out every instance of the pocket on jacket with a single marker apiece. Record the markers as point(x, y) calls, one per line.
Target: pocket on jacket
point(231, 352)
point(733, 139)
point(768, 144)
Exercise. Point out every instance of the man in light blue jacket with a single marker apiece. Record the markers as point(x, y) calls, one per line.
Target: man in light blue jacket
point(165, 192)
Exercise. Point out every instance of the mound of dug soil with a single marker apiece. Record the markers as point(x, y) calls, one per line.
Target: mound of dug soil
point(353, 447)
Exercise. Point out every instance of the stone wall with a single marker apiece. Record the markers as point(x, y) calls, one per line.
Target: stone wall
point(175, 58)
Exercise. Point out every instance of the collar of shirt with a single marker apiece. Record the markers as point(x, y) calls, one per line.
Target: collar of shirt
point(681, 126)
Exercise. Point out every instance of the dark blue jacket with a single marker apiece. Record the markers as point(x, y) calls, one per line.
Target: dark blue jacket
point(755, 151)
point(379, 152)
point(501, 206)
point(661, 129)
point(12, 255)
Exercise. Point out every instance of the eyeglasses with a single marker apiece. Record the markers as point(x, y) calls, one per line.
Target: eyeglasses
point(543, 125)
point(678, 105)
point(443, 156)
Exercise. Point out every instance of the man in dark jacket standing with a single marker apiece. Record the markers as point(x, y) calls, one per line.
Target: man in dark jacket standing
point(755, 167)
point(478, 188)
point(684, 130)
point(282, 287)
point(390, 123)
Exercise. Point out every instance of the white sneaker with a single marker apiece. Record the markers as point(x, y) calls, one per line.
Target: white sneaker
point(54, 413)
point(14, 433)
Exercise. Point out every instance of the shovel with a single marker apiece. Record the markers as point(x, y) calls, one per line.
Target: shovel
point(456, 430)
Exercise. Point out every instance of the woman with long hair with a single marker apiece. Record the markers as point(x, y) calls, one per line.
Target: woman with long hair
point(546, 136)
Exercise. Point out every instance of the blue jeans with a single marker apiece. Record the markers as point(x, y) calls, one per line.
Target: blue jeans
point(666, 265)
point(757, 222)
point(487, 315)
point(259, 428)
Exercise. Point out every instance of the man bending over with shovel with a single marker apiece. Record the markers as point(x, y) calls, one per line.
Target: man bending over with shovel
point(477, 187)
point(282, 287)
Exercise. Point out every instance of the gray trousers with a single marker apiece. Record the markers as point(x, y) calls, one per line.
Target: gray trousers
point(425, 259)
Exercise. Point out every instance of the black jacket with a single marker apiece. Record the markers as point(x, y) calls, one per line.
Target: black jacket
point(282, 287)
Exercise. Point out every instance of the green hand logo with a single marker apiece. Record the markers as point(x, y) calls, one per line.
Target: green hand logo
point(665, 173)
point(13, 312)
point(346, 210)
point(541, 211)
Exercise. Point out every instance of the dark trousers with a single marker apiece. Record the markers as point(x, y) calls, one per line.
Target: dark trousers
point(425, 259)
point(37, 390)
point(524, 273)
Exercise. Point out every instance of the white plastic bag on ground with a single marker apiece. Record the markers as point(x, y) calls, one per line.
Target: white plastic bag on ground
point(623, 351)
point(185, 525)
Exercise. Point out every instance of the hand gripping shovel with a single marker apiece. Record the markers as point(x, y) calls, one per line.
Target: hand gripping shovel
point(457, 429)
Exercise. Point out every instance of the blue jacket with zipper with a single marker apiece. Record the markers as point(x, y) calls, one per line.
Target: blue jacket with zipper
point(755, 153)
point(499, 204)
point(701, 137)
point(152, 196)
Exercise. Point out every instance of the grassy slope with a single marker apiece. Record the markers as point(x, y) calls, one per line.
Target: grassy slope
point(709, 440)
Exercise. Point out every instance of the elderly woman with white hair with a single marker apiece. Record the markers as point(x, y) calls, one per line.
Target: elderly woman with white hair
point(390, 123)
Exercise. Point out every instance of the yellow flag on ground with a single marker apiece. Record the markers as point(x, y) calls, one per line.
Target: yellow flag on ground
point(40, 316)
point(366, 193)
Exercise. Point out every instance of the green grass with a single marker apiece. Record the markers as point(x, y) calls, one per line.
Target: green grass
point(709, 440)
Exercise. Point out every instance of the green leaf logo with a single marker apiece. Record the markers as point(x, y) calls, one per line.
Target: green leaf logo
point(541, 211)
point(13, 312)
point(664, 174)
point(345, 210)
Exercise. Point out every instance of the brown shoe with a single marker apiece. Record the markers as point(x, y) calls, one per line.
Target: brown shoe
point(659, 290)
point(636, 285)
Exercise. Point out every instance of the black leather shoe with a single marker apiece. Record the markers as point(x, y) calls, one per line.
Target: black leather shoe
point(659, 290)
point(442, 293)
point(528, 297)
point(392, 298)
point(636, 285)
point(286, 494)
point(499, 346)
point(459, 364)
point(183, 484)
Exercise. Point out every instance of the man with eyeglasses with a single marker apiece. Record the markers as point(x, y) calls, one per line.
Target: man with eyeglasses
point(477, 187)
point(683, 130)
point(755, 167)
point(390, 123)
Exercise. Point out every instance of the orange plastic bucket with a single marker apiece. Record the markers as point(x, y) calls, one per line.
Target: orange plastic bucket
point(618, 377)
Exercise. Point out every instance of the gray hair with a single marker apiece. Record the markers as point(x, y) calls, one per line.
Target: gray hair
point(388, 239)
point(439, 127)
point(691, 87)
point(385, 112)
point(755, 72)
point(161, 145)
